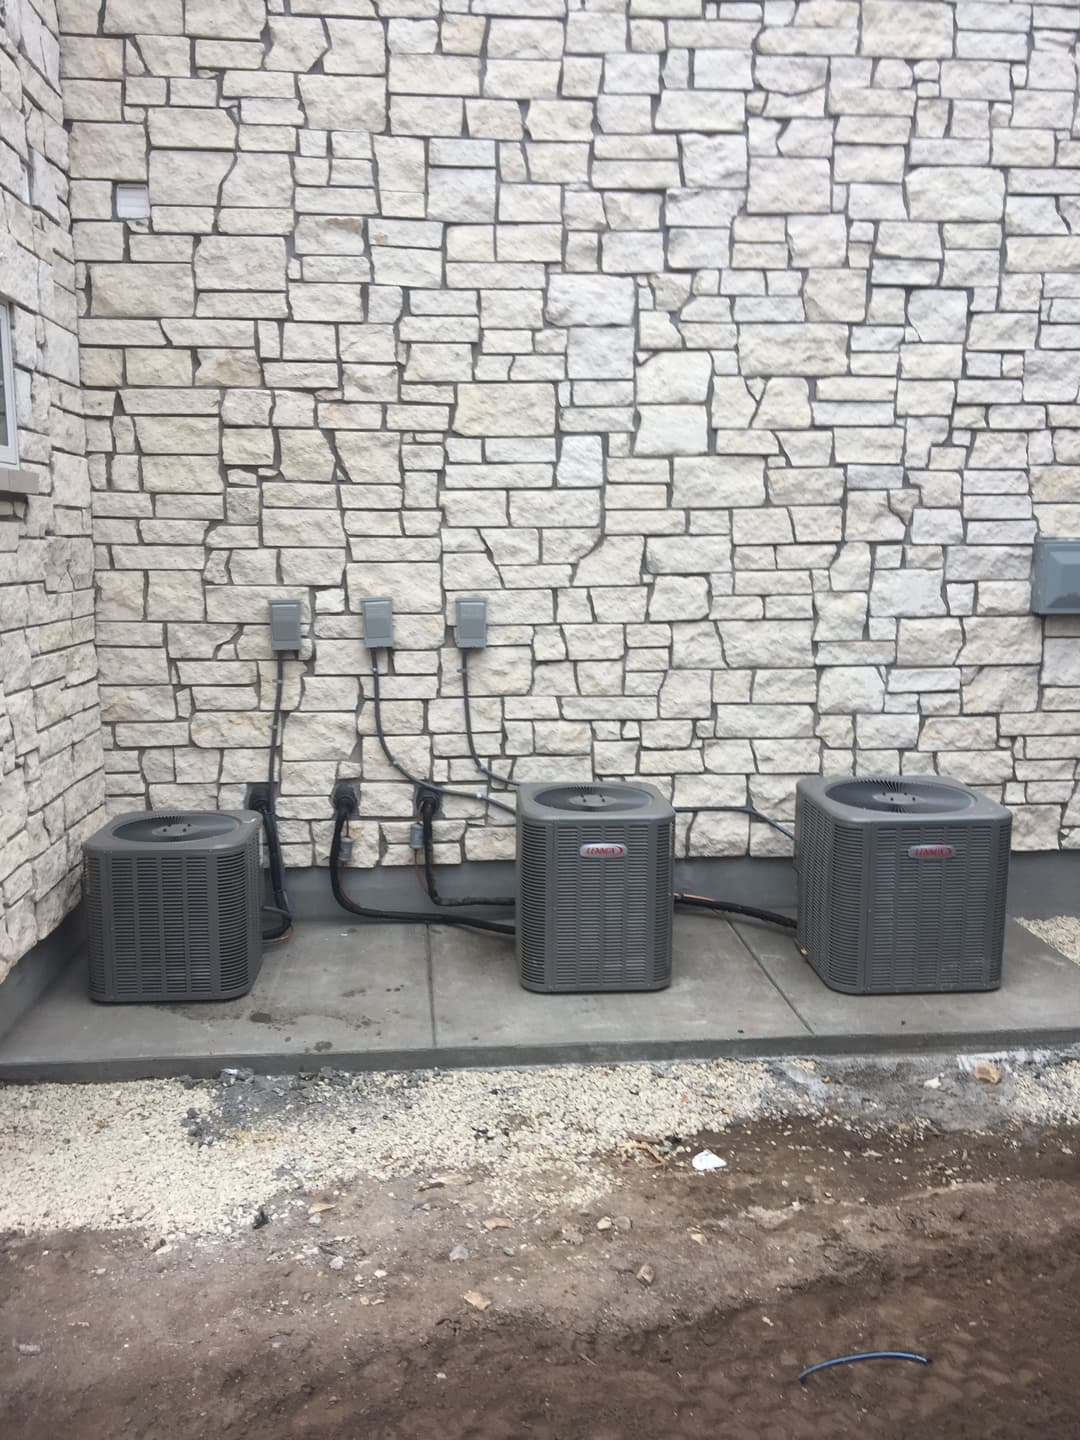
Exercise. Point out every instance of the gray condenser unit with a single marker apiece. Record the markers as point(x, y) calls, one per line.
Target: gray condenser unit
point(901, 884)
point(172, 906)
point(594, 887)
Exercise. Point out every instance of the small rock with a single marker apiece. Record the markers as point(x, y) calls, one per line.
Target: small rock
point(605, 1223)
point(261, 1218)
point(28, 1349)
point(623, 1223)
point(986, 1073)
point(646, 1274)
point(459, 1253)
point(337, 1263)
point(934, 1083)
point(497, 1222)
point(476, 1300)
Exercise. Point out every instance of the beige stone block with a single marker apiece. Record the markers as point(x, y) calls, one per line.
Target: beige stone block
point(418, 585)
point(525, 409)
point(107, 151)
point(183, 127)
point(356, 48)
point(296, 43)
point(142, 702)
point(910, 29)
point(91, 58)
point(92, 100)
point(240, 262)
point(144, 17)
point(178, 434)
point(258, 179)
point(296, 527)
point(339, 102)
point(142, 290)
point(226, 19)
point(187, 177)
point(798, 350)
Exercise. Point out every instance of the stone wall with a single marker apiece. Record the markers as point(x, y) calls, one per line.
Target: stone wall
point(51, 785)
point(731, 349)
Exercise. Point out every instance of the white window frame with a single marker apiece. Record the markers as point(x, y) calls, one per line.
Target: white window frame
point(9, 453)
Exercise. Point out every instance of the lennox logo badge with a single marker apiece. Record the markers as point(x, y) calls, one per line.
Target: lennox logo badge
point(608, 850)
point(932, 852)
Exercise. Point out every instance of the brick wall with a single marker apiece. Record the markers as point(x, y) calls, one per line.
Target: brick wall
point(51, 789)
point(732, 350)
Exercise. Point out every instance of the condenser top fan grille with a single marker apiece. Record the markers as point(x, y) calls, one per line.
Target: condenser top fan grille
point(594, 799)
point(901, 797)
point(165, 829)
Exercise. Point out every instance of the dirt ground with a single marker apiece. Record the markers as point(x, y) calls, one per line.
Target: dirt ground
point(683, 1304)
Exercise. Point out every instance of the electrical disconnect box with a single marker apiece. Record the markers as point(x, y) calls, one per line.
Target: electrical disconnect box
point(378, 623)
point(470, 624)
point(1055, 582)
point(285, 625)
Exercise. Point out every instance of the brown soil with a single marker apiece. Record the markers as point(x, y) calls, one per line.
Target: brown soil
point(814, 1243)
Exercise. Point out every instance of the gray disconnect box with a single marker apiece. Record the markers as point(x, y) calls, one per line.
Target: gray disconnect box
point(470, 624)
point(285, 625)
point(1055, 582)
point(378, 623)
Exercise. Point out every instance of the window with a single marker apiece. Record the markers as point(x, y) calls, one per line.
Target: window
point(9, 440)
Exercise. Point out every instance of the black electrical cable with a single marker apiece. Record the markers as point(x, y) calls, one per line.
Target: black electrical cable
point(735, 810)
point(427, 813)
point(728, 907)
point(275, 857)
point(416, 780)
point(503, 780)
point(402, 917)
point(273, 769)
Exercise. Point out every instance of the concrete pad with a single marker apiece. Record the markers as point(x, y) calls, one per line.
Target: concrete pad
point(719, 998)
point(333, 989)
point(361, 996)
point(1038, 1002)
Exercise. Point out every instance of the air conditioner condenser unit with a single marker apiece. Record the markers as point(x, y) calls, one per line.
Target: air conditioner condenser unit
point(595, 881)
point(172, 906)
point(901, 883)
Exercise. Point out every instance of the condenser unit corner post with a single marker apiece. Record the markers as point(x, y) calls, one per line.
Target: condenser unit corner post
point(595, 883)
point(902, 884)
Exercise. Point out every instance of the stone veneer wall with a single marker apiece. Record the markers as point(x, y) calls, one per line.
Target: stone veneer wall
point(732, 349)
point(51, 779)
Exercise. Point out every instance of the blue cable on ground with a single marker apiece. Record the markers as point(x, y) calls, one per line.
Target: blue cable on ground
point(864, 1355)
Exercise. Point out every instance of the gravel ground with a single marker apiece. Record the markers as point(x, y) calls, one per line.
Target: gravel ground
point(177, 1158)
point(1060, 931)
point(194, 1159)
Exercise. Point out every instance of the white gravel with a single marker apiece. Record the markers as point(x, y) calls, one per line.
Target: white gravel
point(1060, 931)
point(120, 1156)
point(171, 1159)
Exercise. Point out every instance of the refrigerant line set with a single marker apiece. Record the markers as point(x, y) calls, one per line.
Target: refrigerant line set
point(471, 634)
